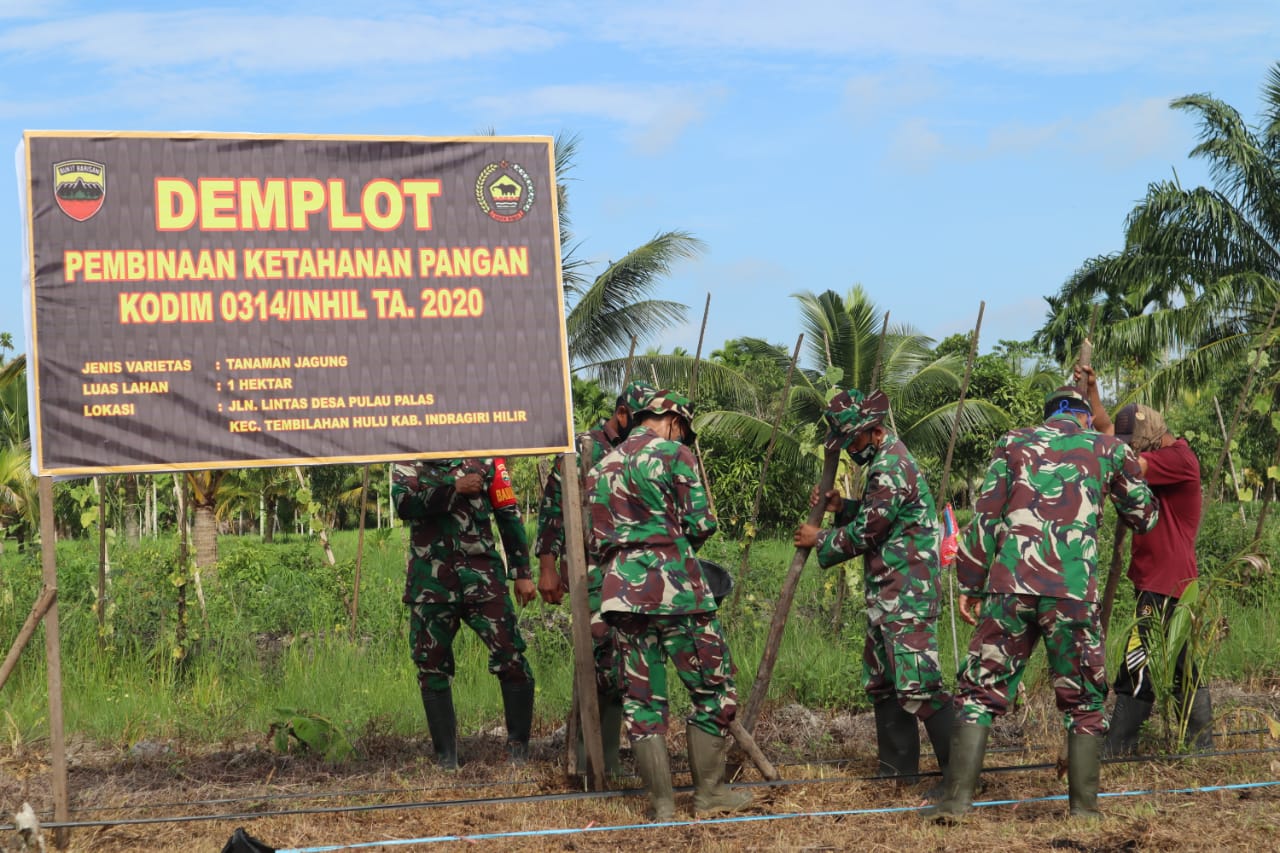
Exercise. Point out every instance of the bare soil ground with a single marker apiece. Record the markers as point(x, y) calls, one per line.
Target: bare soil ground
point(290, 801)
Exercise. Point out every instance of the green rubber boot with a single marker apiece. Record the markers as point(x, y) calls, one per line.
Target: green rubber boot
point(654, 766)
point(443, 726)
point(1082, 774)
point(517, 706)
point(610, 736)
point(968, 745)
point(1126, 721)
point(706, 764)
point(897, 740)
point(938, 727)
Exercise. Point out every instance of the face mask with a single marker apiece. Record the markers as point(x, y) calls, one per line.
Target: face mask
point(865, 455)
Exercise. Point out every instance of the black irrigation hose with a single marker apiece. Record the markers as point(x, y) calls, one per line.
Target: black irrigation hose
point(375, 792)
point(313, 795)
point(587, 795)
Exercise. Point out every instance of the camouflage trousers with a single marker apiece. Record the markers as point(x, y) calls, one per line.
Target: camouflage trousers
point(695, 644)
point(1134, 679)
point(1008, 627)
point(432, 628)
point(900, 660)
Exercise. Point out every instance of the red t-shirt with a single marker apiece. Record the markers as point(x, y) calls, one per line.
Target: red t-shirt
point(1164, 560)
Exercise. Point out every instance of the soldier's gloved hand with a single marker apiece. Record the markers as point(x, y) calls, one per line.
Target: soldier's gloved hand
point(469, 485)
point(550, 584)
point(835, 503)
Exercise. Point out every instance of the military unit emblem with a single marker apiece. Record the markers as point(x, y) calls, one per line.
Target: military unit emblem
point(504, 191)
point(79, 186)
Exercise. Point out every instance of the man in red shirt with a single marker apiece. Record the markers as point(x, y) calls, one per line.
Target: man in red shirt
point(1162, 563)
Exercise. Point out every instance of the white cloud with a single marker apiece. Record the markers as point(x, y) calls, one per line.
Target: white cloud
point(264, 42)
point(869, 95)
point(1120, 135)
point(1084, 35)
point(1133, 131)
point(654, 116)
point(915, 146)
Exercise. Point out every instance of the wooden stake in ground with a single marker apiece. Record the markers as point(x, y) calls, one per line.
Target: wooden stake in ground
point(53, 665)
point(102, 562)
point(842, 574)
point(693, 388)
point(1113, 577)
point(1235, 480)
point(584, 664)
point(749, 746)
point(43, 602)
point(631, 354)
point(764, 674)
point(764, 467)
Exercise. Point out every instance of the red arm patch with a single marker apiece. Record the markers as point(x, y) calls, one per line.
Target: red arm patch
point(501, 494)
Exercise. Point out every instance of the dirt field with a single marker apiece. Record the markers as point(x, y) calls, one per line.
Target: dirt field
point(397, 785)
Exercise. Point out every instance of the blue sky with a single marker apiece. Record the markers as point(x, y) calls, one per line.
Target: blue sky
point(938, 153)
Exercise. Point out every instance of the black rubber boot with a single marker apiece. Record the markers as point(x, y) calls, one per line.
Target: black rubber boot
point(968, 745)
point(610, 736)
point(706, 765)
point(897, 740)
point(1200, 721)
point(443, 726)
point(1126, 721)
point(654, 766)
point(938, 728)
point(517, 706)
point(1082, 774)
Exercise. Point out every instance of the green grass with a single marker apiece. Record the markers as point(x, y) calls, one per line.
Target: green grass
point(276, 636)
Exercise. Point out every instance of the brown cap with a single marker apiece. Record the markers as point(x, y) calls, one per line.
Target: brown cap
point(1141, 427)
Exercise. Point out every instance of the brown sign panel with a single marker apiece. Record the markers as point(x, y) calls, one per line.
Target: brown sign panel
point(219, 300)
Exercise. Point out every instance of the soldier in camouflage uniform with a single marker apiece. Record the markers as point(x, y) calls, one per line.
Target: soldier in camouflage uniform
point(456, 575)
point(607, 435)
point(649, 514)
point(1029, 561)
point(895, 528)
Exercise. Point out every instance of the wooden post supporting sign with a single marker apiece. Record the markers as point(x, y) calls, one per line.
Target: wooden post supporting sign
point(584, 665)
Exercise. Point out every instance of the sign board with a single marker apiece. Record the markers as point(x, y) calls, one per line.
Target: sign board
point(225, 300)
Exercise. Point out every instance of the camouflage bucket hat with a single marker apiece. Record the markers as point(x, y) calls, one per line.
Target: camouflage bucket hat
point(1066, 399)
point(664, 401)
point(636, 394)
point(850, 413)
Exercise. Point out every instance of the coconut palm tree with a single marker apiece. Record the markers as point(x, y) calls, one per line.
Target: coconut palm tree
point(603, 313)
point(841, 347)
point(205, 487)
point(1200, 271)
point(19, 505)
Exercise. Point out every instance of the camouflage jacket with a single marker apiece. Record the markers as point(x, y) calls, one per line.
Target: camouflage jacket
point(452, 553)
point(649, 513)
point(896, 527)
point(550, 513)
point(1035, 527)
